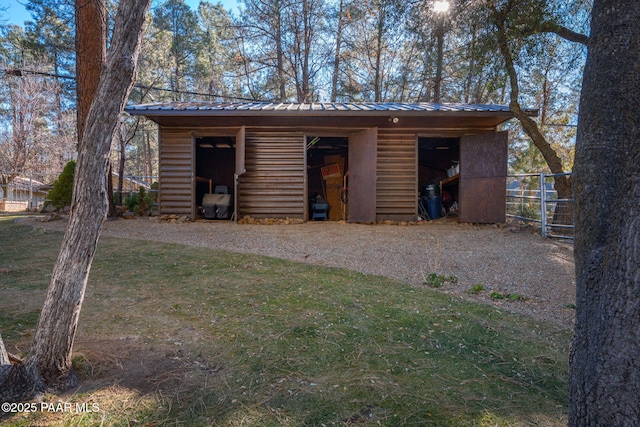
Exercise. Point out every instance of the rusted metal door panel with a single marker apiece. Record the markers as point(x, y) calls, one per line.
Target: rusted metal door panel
point(362, 176)
point(483, 172)
point(273, 185)
point(483, 200)
point(176, 184)
point(396, 187)
point(240, 167)
point(484, 155)
point(240, 151)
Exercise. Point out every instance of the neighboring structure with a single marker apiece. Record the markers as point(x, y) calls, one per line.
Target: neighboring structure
point(275, 158)
point(27, 194)
point(22, 194)
point(130, 184)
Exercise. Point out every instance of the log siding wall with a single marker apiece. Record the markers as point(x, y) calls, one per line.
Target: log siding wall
point(275, 182)
point(176, 163)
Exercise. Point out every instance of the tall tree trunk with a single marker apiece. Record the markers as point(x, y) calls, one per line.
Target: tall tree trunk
point(122, 143)
point(280, 51)
point(437, 87)
point(91, 51)
point(468, 97)
point(336, 56)
point(604, 371)
point(148, 157)
point(377, 79)
point(307, 31)
point(49, 361)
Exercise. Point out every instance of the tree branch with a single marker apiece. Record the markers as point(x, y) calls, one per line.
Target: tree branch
point(562, 184)
point(564, 32)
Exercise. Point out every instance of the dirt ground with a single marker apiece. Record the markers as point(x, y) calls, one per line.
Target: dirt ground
point(510, 260)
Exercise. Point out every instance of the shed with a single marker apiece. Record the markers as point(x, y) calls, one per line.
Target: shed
point(276, 159)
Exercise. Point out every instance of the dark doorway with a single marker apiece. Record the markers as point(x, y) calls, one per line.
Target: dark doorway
point(327, 168)
point(215, 165)
point(438, 174)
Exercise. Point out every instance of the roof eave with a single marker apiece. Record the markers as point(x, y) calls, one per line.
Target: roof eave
point(160, 112)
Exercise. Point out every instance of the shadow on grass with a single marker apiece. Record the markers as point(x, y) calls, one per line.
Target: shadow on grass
point(176, 335)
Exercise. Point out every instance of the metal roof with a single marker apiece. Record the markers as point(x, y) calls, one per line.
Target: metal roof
point(320, 108)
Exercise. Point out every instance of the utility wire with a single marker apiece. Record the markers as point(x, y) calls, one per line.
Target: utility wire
point(22, 72)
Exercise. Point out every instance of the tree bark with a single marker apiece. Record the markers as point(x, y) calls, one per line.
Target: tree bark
point(336, 56)
point(379, 48)
point(437, 87)
point(91, 51)
point(49, 362)
point(604, 363)
point(4, 356)
point(278, 12)
point(121, 160)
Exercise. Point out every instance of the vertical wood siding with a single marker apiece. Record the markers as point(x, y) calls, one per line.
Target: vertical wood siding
point(396, 188)
point(176, 173)
point(273, 185)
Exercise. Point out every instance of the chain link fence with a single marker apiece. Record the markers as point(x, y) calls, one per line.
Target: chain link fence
point(532, 198)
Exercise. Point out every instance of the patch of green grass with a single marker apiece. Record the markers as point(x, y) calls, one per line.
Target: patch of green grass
point(476, 289)
point(266, 342)
point(512, 297)
point(17, 324)
point(435, 280)
point(26, 255)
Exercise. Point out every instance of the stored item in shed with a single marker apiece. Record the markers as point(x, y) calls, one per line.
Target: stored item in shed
point(217, 206)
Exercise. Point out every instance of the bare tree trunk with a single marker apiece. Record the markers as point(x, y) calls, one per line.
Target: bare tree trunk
point(468, 97)
point(91, 51)
point(437, 87)
point(604, 380)
point(307, 33)
point(279, 51)
point(148, 159)
point(111, 206)
point(122, 143)
point(336, 56)
point(377, 81)
point(49, 362)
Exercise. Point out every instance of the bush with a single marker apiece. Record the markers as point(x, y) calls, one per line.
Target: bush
point(140, 202)
point(61, 193)
point(143, 204)
point(131, 201)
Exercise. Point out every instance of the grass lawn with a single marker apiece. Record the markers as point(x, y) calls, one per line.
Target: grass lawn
point(178, 335)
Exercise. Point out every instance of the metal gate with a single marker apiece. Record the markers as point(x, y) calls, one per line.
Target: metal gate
point(532, 198)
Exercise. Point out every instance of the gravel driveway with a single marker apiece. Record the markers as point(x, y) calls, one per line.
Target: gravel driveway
point(509, 260)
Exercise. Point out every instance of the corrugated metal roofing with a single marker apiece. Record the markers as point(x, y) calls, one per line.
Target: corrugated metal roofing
point(203, 107)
